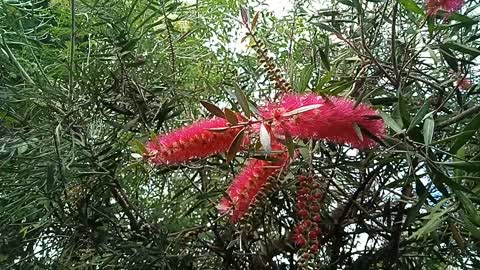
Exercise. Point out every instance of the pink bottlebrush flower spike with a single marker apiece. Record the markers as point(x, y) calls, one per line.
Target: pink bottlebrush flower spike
point(244, 189)
point(449, 6)
point(191, 142)
point(334, 120)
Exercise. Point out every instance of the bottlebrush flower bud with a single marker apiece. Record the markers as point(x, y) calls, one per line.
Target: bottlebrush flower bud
point(308, 228)
point(334, 120)
point(191, 142)
point(244, 189)
point(300, 240)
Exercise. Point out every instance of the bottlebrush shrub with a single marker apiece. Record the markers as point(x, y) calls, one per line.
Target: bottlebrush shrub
point(191, 142)
point(306, 232)
point(247, 186)
point(335, 120)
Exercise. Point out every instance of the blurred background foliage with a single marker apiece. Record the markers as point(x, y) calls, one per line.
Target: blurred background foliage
point(83, 83)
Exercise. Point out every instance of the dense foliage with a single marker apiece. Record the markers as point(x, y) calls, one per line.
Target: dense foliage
point(85, 83)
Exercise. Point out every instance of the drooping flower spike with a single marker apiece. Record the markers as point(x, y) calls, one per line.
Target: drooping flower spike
point(334, 120)
point(191, 142)
point(245, 188)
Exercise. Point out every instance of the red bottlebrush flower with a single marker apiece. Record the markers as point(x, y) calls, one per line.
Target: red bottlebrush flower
point(190, 142)
point(449, 6)
point(243, 191)
point(464, 84)
point(334, 121)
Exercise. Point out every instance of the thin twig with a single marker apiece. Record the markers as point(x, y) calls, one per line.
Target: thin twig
point(459, 117)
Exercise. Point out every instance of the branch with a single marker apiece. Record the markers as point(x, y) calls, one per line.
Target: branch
point(392, 41)
point(460, 116)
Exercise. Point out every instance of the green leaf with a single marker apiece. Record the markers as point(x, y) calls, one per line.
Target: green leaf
point(433, 55)
point(450, 58)
point(433, 222)
point(358, 6)
point(419, 115)
point(467, 133)
point(324, 58)
point(428, 128)
point(469, 166)
point(413, 211)
point(337, 87)
point(391, 122)
point(474, 230)
point(324, 80)
point(242, 100)
point(50, 178)
point(410, 5)
point(290, 146)
point(470, 209)
point(138, 146)
point(404, 110)
point(462, 48)
point(326, 27)
point(459, 18)
point(305, 76)
point(347, 3)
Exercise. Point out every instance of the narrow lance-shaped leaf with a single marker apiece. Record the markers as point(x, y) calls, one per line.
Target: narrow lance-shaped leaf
point(462, 48)
point(404, 110)
point(470, 209)
point(391, 122)
point(467, 133)
point(254, 21)
point(50, 178)
point(231, 116)
point(410, 5)
point(449, 57)
point(235, 145)
point(305, 76)
point(212, 109)
point(358, 131)
point(244, 14)
point(472, 228)
point(428, 127)
point(324, 58)
point(265, 139)
point(242, 100)
point(302, 110)
point(419, 115)
point(468, 166)
point(290, 146)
